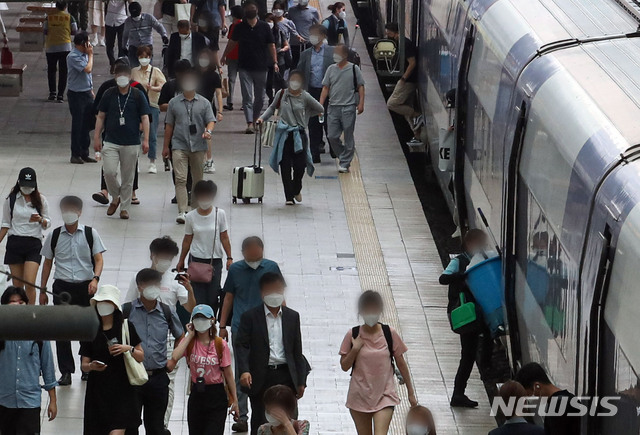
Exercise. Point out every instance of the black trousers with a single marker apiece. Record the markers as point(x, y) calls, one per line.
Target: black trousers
point(471, 343)
point(79, 104)
point(152, 399)
point(317, 131)
point(281, 376)
point(19, 421)
point(103, 184)
point(57, 62)
point(275, 82)
point(296, 50)
point(207, 410)
point(110, 35)
point(80, 11)
point(79, 292)
point(292, 167)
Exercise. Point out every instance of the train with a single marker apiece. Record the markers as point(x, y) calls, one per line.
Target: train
point(547, 144)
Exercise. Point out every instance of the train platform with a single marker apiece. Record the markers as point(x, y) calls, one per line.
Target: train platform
point(356, 231)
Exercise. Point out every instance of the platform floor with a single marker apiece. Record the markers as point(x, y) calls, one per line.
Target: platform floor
point(363, 230)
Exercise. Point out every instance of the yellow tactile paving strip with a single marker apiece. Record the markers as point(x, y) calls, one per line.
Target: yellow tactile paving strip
point(372, 270)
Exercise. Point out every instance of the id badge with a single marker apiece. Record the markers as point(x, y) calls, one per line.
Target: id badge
point(122, 120)
point(193, 129)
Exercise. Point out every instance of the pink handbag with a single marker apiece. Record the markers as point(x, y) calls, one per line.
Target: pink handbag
point(203, 272)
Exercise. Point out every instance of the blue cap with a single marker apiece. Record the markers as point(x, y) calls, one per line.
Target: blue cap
point(203, 310)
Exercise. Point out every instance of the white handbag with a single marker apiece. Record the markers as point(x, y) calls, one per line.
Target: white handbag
point(136, 372)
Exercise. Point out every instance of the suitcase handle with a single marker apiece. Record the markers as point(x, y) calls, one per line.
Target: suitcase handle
point(257, 147)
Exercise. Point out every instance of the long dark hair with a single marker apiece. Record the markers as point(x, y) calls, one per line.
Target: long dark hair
point(6, 297)
point(36, 199)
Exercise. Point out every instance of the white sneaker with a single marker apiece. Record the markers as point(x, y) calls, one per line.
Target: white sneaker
point(181, 219)
point(290, 203)
point(152, 168)
point(298, 197)
point(343, 170)
point(209, 167)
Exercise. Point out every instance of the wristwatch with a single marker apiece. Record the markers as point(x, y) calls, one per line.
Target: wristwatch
point(96, 277)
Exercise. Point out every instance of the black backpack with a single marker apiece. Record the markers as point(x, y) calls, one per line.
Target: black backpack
point(88, 234)
point(386, 330)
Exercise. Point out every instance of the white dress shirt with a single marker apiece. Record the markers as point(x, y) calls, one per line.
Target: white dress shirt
point(185, 48)
point(276, 343)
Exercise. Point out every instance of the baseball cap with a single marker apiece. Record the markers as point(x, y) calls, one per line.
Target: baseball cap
point(27, 178)
point(202, 310)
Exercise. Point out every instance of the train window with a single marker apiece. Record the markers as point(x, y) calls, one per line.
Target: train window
point(439, 60)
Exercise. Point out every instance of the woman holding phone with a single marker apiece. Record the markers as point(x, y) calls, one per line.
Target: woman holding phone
point(25, 216)
point(109, 406)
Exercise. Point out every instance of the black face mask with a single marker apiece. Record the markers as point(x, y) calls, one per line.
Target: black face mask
point(251, 14)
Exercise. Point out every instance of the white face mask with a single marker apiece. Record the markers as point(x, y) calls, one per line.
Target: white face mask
point(254, 264)
point(417, 429)
point(105, 308)
point(204, 62)
point(70, 217)
point(274, 300)
point(144, 61)
point(122, 81)
point(201, 324)
point(205, 205)
point(371, 319)
point(271, 419)
point(314, 39)
point(183, 36)
point(342, 15)
point(270, 24)
point(27, 190)
point(138, 18)
point(163, 265)
point(189, 85)
point(337, 58)
point(151, 293)
point(278, 13)
point(295, 85)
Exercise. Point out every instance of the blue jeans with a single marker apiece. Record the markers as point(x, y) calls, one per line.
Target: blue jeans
point(80, 106)
point(153, 132)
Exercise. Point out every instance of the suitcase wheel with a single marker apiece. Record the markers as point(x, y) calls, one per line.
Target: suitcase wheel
point(246, 200)
point(234, 200)
point(260, 200)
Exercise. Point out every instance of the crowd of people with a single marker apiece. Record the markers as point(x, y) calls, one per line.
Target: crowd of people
point(299, 66)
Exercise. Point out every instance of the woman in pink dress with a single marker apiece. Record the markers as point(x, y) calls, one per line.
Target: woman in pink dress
point(367, 350)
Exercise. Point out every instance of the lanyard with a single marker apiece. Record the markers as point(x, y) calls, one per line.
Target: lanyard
point(120, 108)
point(189, 106)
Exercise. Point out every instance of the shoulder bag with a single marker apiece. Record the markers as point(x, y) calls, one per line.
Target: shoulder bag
point(203, 272)
point(136, 372)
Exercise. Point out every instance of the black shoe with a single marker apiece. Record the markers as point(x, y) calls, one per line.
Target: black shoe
point(228, 107)
point(52, 97)
point(174, 200)
point(65, 380)
point(166, 432)
point(316, 159)
point(85, 376)
point(463, 402)
point(60, 99)
point(240, 426)
point(88, 159)
point(333, 155)
point(76, 160)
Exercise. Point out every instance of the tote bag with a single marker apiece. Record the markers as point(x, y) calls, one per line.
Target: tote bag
point(269, 127)
point(136, 372)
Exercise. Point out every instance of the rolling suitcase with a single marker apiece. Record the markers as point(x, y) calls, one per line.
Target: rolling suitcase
point(248, 181)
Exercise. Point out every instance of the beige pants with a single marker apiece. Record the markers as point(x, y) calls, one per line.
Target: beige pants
point(182, 161)
point(401, 100)
point(126, 157)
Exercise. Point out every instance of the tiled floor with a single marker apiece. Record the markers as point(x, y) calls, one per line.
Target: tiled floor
point(312, 242)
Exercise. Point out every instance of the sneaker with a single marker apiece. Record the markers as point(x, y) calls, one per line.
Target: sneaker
point(76, 160)
point(418, 122)
point(250, 129)
point(463, 401)
point(52, 97)
point(290, 203)
point(228, 107)
point(152, 168)
point(88, 159)
point(317, 159)
point(181, 219)
point(65, 380)
point(298, 197)
point(60, 99)
point(209, 167)
point(240, 426)
point(343, 170)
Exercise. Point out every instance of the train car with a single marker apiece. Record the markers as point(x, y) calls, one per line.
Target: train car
point(547, 142)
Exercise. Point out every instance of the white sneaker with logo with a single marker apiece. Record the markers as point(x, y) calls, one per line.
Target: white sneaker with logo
point(209, 167)
point(152, 168)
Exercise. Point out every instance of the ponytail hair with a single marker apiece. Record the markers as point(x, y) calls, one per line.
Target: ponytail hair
point(334, 7)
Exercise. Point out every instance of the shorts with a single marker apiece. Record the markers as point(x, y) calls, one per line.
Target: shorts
point(19, 421)
point(21, 249)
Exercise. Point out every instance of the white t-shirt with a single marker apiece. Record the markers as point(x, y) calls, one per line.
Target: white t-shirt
point(171, 291)
point(203, 229)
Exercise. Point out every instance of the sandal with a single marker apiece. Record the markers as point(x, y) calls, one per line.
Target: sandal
point(100, 198)
point(135, 201)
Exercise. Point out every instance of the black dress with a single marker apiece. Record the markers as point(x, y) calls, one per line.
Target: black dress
point(109, 400)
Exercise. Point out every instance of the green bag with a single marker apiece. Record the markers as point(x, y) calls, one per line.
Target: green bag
point(462, 316)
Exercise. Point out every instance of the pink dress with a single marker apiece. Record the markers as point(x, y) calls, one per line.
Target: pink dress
point(372, 386)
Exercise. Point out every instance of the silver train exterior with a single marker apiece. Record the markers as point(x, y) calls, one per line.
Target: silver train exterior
point(547, 121)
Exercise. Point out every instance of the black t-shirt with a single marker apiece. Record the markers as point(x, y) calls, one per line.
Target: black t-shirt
point(98, 349)
point(169, 90)
point(133, 106)
point(209, 82)
point(111, 83)
point(168, 7)
point(411, 51)
point(563, 424)
point(253, 42)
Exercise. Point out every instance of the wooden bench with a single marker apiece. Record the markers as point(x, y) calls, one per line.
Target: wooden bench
point(42, 10)
point(36, 19)
point(11, 81)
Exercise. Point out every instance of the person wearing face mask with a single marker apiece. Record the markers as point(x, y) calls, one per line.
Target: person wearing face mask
point(77, 250)
point(109, 401)
point(420, 421)
point(188, 126)
point(122, 110)
point(210, 368)
point(153, 320)
point(337, 29)
point(208, 18)
point(184, 44)
point(210, 87)
point(343, 85)
point(290, 152)
point(206, 240)
point(272, 355)
point(21, 363)
point(314, 63)
point(280, 405)
point(370, 351)
point(138, 32)
point(303, 16)
point(286, 26)
point(275, 80)
point(25, 216)
point(152, 79)
point(477, 335)
point(241, 293)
